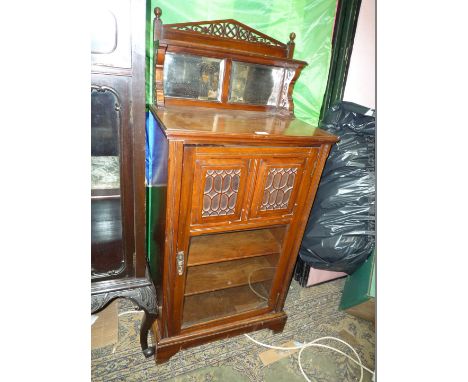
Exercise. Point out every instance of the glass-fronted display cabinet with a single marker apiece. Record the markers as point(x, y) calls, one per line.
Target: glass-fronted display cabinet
point(240, 173)
point(118, 261)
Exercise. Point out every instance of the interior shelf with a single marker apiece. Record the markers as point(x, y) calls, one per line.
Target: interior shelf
point(211, 277)
point(226, 302)
point(222, 247)
point(105, 193)
point(106, 235)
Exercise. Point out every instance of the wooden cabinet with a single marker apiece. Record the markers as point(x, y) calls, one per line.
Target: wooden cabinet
point(118, 261)
point(234, 219)
point(240, 175)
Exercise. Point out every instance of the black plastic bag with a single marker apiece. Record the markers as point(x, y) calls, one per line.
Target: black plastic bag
point(340, 233)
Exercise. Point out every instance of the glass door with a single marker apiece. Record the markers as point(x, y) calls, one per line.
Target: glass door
point(230, 273)
point(107, 254)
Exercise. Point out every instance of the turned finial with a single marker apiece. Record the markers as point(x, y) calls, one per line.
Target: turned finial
point(290, 45)
point(158, 13)
point(157, 24)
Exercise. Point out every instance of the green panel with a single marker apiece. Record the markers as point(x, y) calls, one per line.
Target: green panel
point(156, 206)
point(312, 21)
point(358, 287)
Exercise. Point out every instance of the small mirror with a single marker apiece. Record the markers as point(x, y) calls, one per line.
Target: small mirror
point(255, 84)
point(194, 77)
point(103, 31)
point(105, 153)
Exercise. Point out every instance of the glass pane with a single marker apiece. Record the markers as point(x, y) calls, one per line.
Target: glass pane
point(106, 237)
point(255, 84)
point(103, 31)
point(105, 121)
point(107, 257)
point(194, 77)
point(230, 273)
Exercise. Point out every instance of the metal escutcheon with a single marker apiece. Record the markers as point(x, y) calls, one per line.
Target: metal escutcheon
point(180, 262)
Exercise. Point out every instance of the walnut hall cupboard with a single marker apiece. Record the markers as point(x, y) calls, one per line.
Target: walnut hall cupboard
point(237, 178)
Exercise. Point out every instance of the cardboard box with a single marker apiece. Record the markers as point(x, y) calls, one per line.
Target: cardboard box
point(105, 330)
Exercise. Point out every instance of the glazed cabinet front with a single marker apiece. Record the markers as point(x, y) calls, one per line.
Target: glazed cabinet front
point(234, 239)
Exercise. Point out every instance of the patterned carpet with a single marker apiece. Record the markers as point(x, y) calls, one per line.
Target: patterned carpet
point(312, 313)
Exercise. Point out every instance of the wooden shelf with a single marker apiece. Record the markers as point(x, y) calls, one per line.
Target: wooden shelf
point(222, 247)
point(211, 277)
point(223, 303)
point(105, 193)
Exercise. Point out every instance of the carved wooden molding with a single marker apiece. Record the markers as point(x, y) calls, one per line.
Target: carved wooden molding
point(228, 29)
point(286, 101)
point(143, 296)
point(114, 272)
point(103, 89)
point(158, 90)
point(143, 293)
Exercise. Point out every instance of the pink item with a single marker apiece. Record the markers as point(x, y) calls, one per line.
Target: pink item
point(317, 276)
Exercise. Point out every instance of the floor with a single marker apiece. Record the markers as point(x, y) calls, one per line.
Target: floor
point(312, 313)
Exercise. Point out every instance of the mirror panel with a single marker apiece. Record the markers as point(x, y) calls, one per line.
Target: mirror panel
point(193, 77)
point(103, 31)
point(255, 84)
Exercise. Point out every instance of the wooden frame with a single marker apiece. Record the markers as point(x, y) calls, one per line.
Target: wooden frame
point(169, 330)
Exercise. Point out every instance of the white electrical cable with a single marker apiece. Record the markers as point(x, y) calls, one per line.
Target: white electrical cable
point(315, 344)
point(309, 344)
point(250, 284)
point(130, 312)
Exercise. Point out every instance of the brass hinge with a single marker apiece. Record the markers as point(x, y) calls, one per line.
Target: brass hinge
point(180, 262)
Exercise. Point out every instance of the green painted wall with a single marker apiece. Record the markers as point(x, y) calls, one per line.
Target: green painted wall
point(156, 208)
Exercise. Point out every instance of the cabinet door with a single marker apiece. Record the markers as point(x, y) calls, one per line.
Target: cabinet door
point(277, 186)
point(111, 199)
point(219, 189)
point(230, 275)
point(117, 139)
point(231, 248)
point(231, 185)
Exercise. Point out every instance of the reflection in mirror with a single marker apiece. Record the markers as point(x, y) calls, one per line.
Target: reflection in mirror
point(105, 121)
point(196, 77)
point(107, 256)
point(255, 84)
point(103, 31)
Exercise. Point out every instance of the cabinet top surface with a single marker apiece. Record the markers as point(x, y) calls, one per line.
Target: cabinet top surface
point(197, 122)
